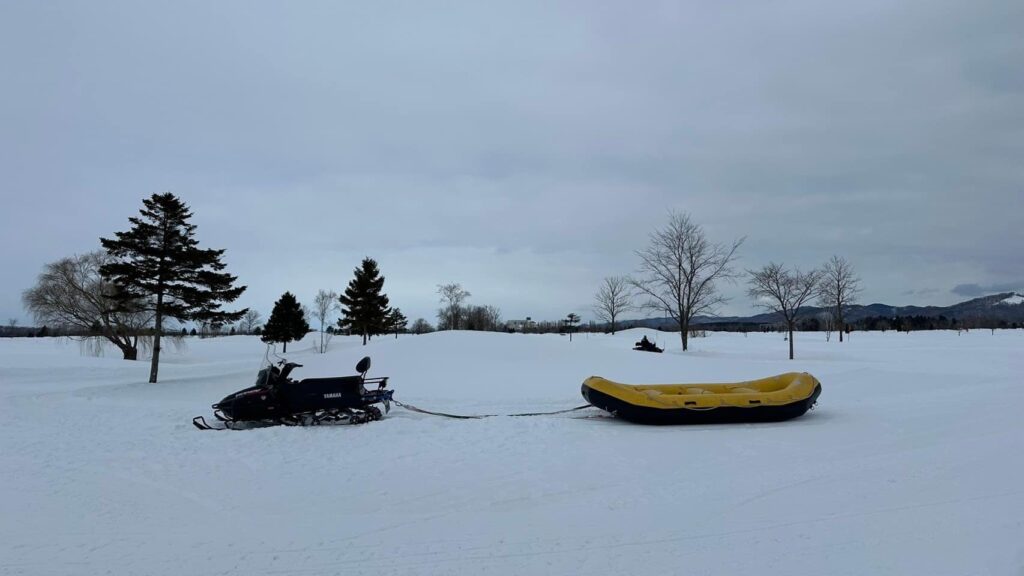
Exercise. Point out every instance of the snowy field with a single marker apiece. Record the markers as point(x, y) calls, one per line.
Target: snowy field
point(913, 462)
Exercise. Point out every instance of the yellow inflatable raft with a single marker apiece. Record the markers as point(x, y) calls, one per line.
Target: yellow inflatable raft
point(766, 400)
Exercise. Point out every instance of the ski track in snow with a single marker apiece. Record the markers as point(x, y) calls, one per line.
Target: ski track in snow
point(910, 464)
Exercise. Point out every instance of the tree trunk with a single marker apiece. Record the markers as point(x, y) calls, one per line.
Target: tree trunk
point(840, 324)
point(130, 353)
point(155, 364)
point(791, 342)
point(285, 349)
point(128, 350)
point(364, 339)
point(684, 329)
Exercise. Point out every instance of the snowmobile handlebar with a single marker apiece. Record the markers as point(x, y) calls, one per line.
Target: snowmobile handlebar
point(287, 367)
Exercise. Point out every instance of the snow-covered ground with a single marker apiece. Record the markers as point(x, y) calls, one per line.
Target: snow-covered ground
point(913, 462)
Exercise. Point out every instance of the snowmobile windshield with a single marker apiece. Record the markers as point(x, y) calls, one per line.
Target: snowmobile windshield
point(263, 378)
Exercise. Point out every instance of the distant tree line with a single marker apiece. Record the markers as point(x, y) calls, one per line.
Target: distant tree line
point(808, 323)
point(681, 269)
point(153, 281)
point(941, 322)
point(456, 314)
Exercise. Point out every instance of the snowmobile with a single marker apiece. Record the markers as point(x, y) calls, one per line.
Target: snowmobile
point(646, 345)
point(276, 399)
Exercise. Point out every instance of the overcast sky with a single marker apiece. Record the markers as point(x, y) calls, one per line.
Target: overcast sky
point(524, 150)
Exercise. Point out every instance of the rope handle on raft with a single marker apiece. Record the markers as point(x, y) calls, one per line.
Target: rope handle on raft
point(480, 416)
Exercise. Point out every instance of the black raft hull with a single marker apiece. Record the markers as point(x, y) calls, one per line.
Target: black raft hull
point(641, 414)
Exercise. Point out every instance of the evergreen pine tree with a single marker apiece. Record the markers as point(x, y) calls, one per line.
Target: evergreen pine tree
point(287, 322)
point(159, 264)
point(570, 323)
point(364, 306)
point(397, 321)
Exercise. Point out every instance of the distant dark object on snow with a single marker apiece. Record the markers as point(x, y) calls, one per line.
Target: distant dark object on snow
point(646, 345)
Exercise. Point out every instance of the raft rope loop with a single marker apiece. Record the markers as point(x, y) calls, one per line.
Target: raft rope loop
point(480, 416)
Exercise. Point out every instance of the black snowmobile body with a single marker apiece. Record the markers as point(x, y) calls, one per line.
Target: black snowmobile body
point(276, 399)
point(646, 345)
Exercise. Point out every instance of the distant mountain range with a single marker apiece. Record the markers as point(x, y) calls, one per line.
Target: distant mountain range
point(1007, 306)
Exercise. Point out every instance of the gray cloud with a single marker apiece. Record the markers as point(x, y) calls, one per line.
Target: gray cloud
point(523, 149)
point(921, 292)
point(976, 290)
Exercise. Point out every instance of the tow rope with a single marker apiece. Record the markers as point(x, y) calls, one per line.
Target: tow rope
point(480, 416)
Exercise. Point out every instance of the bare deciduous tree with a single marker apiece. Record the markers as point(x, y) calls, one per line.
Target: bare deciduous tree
point(838, 289)
point(493, 315)
point(323, 304)
point(783, 291)
point(827, 322)
point(613, 299)
point(421, 326)
point(481, 318)
point(452, 297)
point(250, 321)
point(680, 269)
point(71, 293)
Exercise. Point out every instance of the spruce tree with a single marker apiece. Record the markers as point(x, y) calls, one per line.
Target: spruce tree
point(159, 264)
point(364, 306)
point(397, 321)
point(287, 322)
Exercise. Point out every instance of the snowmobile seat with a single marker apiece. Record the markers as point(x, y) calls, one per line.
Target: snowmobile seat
point(348, 385)
point(364, 365)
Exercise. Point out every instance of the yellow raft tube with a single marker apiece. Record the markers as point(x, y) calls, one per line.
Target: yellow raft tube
point(766, 400)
